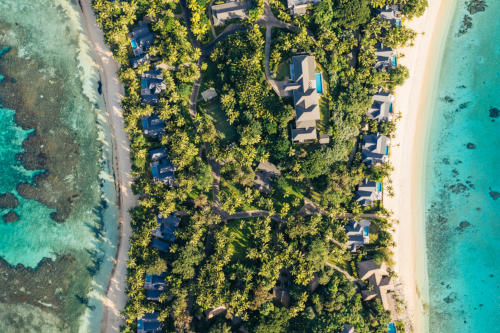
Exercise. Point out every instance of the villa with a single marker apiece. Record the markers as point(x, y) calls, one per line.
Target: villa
point(299, 7)
point(208, 94)
point(141, 39)
point(155, 282)
point(369, 192)
point(151, 86)
point(230, 10)
point(149, 323)
point(391, 14)
point(379, 279)
point(386, 57)
point(381, 109)
point(152, 125)
point(167, 228)
point(358, 234)
point(305, 87)
point(264, 176)
point(375, 149)
point(139, 60)
point(161, 167)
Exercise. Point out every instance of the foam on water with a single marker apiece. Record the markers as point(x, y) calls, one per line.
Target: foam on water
point(462, 215)
point(50, 32)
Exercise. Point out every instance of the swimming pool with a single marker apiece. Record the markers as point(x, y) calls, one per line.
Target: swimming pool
point(379, 187)
point(391, 328)
point(319, 83)
point(366, 231)
point(394, 61)
point(387, 150)
point(133, 43)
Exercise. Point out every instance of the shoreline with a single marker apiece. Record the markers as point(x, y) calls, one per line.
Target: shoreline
point(412, 101)
point(113, 92)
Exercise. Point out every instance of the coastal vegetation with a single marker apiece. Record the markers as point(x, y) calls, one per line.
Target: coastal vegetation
point(242, 257)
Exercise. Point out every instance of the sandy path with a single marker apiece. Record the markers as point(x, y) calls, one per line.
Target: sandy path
point(113, 92)
point(406, 156)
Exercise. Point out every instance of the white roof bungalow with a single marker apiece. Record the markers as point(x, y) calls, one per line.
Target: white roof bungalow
point(299, 7)
point(375, 149)
point(369, 192)
point(381, 109)
point(230, 10)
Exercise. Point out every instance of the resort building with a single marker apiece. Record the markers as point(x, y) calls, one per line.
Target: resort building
point(358, 234)
point(230, 10)
point(348, 329)
point(152, 125)
point(381, 109)
point(151, 86)
point(306, 86)
point(167, 228)
point(161, 167)
point(155, 282)
point(386, 57)
point(299, 7)
point(375, 149)
point(379, 279)
point(208, 94)
point(149, 323)
point(141, 39)
point(264, 176)
point(369, 192)
point(391, 14)
point(139, 60)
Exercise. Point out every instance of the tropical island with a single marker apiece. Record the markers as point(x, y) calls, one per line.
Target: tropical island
point(259, 138)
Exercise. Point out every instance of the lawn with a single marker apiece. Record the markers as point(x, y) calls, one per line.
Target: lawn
point(283, 71)
point(238, 233)
point(218, 117)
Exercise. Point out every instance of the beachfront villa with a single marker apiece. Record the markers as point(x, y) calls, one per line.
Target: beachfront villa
point(152, 125)
point(299, 7)
point(264, 175)
point(230, 10)
point(161, 167)
point(368, 192)
point(168, 225)
point(155, 282)
point(381, 282)
point(141, 39)
point(306, 86)
point(391, 14)
point(382, 107)
point(375, 149)
point(358, 234)
point(151, 86)
point(386, 57)
point(139, 60)
point(149, 323)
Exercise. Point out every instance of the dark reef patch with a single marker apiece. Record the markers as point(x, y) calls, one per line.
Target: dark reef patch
point(470, 145)
point(52, 146)
point(463, 225)
point(476, 6)
point(494, 194)
point(10, 217)
point(8, 200)
point(494, 112)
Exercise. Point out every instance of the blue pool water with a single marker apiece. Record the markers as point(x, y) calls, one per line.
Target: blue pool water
point(144, 84)
point(391, 328)
point(462, 186)
point(319, 83)
point(133, 43)
point(366, 231)
point(390, 108)
point(394, 61)
point(379, 187)
point(387, 150)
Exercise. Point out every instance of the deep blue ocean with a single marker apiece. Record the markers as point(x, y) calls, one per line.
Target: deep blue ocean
point(462, 183)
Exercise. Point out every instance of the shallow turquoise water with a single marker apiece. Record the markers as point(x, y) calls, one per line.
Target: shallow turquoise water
point(463, 160)
point(49, 32)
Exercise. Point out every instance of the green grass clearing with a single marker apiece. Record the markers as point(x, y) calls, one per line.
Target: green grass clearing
point(239, 231)
point(218, 117)
point(283, 71)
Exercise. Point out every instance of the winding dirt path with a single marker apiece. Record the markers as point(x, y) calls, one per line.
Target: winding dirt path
point(113, 92)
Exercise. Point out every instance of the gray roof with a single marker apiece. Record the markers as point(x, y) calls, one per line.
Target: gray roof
point(167, 227)
point(305, 97)
point(391, 14)
point(139, 60)
point(355, 234)
point(230, 10)
point(375, 149)
point(152, 125)
point(155, 282)
point(142, 37)
point(264, 175)
point(378, 277)
point(151, 86)
point(385, 56)
point(381, 109)
point(348, 329)
point(368, 192)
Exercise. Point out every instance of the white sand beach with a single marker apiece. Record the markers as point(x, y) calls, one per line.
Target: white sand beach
point(407, 149)
point(113, 92)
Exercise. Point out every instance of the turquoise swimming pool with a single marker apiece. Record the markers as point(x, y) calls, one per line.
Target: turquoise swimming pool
point(319, 83)
point(379, 187)
point(133, 43)
point(391, 328)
